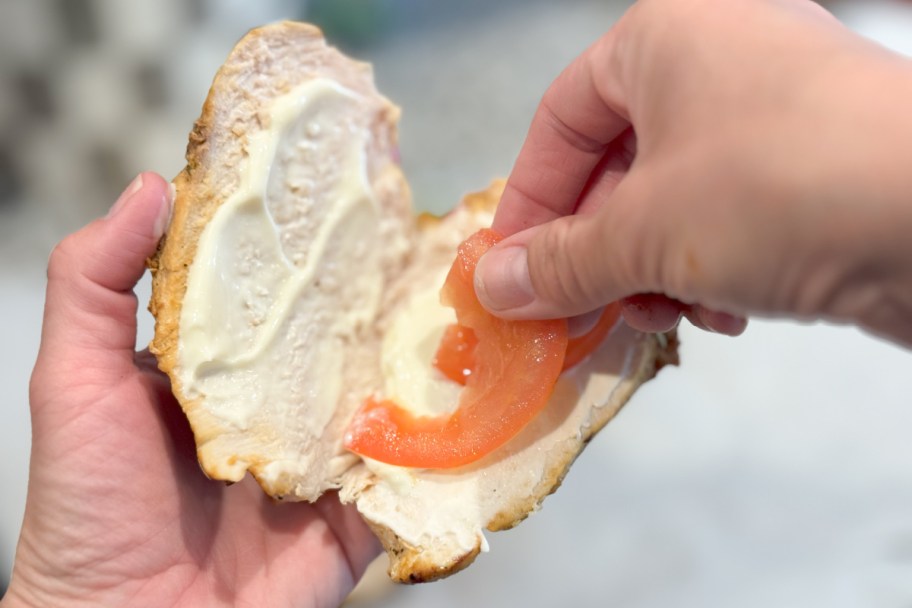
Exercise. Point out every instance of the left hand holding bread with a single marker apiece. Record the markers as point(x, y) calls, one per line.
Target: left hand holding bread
point(118, 512)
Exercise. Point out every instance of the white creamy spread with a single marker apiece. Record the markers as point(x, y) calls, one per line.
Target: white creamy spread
point(270, 298)
point(408, 352)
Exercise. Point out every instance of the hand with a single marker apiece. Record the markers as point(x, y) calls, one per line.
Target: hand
point(749, 157)
point(118, 511)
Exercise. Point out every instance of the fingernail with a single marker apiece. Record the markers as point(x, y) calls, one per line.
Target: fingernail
point(134, 187)
point(723, 323)
point(580, 325)
point(164, 213)
point(502, 279)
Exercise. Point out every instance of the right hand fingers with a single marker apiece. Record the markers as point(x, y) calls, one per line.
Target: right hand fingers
point(576, 264)
point(653, 313)
point(573, 264)
point(572, 132)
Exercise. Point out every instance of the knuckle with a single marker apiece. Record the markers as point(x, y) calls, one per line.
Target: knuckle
point(680, 275)
point(637, 246)
point(62, 257)
point(559, 271)
point(573, 133)
point(690, 260)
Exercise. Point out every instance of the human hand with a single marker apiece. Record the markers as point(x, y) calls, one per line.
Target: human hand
point(732, 155)
point(118, 511)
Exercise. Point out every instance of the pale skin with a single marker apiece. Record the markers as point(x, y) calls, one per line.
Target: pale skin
point(118, 512)
point(769, 175)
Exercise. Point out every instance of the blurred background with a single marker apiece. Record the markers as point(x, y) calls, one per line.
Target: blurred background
point(771, 470)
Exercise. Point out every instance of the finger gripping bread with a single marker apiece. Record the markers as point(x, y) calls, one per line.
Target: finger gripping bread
point(294, 282)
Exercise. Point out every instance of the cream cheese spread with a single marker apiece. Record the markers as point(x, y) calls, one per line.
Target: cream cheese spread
point(408, 352)
point(270, 297)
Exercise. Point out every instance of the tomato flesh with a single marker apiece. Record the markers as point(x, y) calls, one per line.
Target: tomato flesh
point(455, 356)
point(516, 364)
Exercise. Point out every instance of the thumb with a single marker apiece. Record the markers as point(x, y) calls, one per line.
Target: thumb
point(565, 267)
point(90, 304)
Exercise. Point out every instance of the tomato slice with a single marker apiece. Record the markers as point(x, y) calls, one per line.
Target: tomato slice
point(516, 366)
point(455, 356)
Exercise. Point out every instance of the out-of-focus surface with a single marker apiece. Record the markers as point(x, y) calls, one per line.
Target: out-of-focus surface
point(771, 470)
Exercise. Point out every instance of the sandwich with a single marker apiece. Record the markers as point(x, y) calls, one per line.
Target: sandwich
point(298, 311)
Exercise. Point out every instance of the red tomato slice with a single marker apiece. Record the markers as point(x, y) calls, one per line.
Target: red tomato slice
point(516, 366)
point(455, 356)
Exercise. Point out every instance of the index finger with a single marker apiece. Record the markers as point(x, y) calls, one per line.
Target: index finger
point(570, 132)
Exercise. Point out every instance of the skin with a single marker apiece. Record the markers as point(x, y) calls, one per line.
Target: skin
point(118, 512)
point(768, 175)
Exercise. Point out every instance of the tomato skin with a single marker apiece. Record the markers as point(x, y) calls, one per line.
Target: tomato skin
point(516, 366)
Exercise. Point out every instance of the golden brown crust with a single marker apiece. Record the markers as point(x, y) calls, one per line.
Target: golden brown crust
point(410, 564)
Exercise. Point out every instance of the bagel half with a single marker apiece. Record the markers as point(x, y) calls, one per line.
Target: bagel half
point(294, 281)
